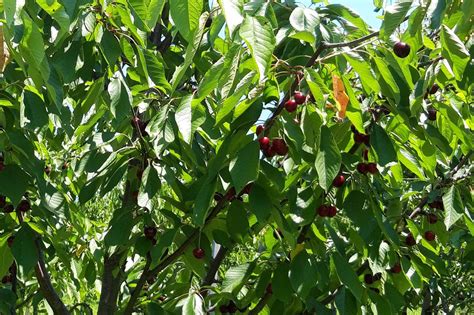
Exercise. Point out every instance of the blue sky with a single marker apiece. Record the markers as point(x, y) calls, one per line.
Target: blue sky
point(365, 8)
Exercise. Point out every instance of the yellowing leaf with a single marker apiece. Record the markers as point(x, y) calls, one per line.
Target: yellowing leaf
point(340, 95)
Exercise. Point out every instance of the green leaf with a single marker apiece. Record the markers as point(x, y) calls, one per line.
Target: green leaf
point(354, 205)
point(394, 15)
point(383, 146)
point(233, 13)
point(150, 186)
point(148, 10)
point(345, 302)
point(389, 85)
point(156, 71)
point(203, 200)
point(245, 166)
point(213, 76)
point(349, 16)
point(353, 111)
point(35, 109)
point(453, 207)
point(258, 35)
point(235, 277)
point(229, 103)
point(454, 51)
point(348, 276)
point(120, 228)
point(281, 284)
point(13, 182)
point(110, 47)
point(185, 14)
point(304, 19)
point(328, 159)
point(120, 100)
point(237, 222)
point(410, 162)
point(260, 202)
point(193, 304)
point(6, 258)
point(24, 248)
point(362, 67)
point(302, 274)
point(190, 51)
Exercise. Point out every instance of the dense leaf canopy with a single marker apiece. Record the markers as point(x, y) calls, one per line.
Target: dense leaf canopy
point(195, 156)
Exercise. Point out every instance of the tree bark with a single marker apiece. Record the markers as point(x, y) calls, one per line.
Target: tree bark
point(46, 287)
point(111, 284)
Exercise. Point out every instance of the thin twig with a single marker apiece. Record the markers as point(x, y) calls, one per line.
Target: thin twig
point(172, 257)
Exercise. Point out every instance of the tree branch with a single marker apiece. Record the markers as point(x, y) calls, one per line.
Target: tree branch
point(261, 304)
point(44, 279)
point(46, 287)
point(214, 267)
point(448, 178)
point(110, 283)
point(321, 48)
point(170, 258)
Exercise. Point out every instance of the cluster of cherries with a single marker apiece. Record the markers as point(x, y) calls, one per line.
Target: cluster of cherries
point(364, 168)
point(24, 205)
point(292, 104)
point(278, 146)
point(432, 219)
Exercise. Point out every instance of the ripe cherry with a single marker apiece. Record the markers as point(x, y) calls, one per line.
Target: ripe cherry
point(269, 289)
point(410, 240)
point(232, 308)
point(397, 268)
point(3, 201)
point(366, 140)
point(198, 253)
point(269, 152)
point(432, 114)
point(339, 181)
point(368, 278)
point(362, 168)
point(65, 166)
point(372, 168)
point(10, 241)
point(9, 208)
point(332, 211)
point(401, 49)
point(323, 210)
point(2, 166)
point(150, 232)
point(279, 146)
point(291, 105)
point(7, 279)
point(264, 143)
point(24, 206)
point(299, 97)
point(223, 309)
point(432, 218)
point(430, 236)
point(434, 88)
point(260, 129)
point(359, 138)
